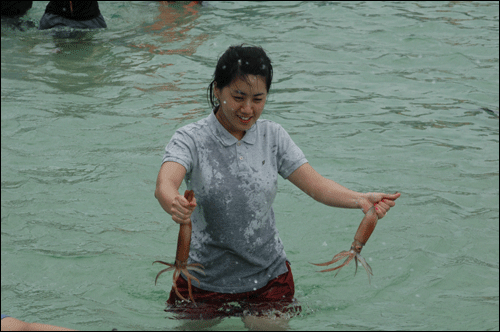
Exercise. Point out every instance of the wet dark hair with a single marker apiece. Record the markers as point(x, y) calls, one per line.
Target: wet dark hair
point(239, 62)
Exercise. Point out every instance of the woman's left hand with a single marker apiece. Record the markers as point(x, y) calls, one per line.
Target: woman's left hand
point(382, 202)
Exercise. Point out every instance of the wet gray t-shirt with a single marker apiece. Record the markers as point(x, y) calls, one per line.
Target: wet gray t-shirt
point(234, 231)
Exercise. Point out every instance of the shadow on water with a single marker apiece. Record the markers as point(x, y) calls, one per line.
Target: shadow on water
point(491, 112)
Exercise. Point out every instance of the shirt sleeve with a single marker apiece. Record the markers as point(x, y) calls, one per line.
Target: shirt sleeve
point(180, 149)
point(290, 156)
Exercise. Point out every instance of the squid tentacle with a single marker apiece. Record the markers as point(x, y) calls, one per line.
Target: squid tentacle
point(335, 259)
point(182, 255)
point(363, 233)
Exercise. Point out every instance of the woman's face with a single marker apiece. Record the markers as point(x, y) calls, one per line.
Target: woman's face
point(241, 104)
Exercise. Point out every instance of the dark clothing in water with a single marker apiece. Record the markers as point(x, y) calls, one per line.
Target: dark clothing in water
point(12, 13)
point(15, 8)
point(74, 14)
point(75, 10)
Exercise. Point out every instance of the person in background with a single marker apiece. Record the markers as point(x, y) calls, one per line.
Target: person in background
point(12, 11)
point(12, 324)
point(15, 8)
point(73, 14)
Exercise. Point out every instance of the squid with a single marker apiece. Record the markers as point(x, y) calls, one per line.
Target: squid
point(181, 257)
point(363, 233)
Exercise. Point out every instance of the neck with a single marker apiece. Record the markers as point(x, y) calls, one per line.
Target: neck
point(223, 121)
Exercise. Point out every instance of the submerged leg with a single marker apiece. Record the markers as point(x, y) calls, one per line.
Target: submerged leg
point(265, 323)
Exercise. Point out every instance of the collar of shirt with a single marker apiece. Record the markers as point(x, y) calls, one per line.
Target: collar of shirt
point(225, 136)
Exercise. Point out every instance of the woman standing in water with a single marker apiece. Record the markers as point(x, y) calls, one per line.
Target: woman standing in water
point(231, 160)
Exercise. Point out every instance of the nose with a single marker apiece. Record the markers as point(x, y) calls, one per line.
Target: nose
point(247, 107)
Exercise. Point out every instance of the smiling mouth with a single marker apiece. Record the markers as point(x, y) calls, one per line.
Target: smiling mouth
point(244, 119)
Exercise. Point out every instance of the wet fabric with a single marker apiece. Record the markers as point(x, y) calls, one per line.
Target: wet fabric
point(50, 21)
point(274, 299)
point(74, 10)
point(234, 232)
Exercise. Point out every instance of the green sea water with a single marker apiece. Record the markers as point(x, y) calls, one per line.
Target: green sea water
point(380, 96)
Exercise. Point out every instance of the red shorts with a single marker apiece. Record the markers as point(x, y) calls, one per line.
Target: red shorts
point(276, 297)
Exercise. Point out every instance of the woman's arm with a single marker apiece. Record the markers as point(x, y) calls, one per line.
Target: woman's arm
point(167, 192)
point(331, 193)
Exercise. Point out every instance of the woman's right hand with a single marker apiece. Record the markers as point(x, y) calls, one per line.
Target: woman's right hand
point(182, 209)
